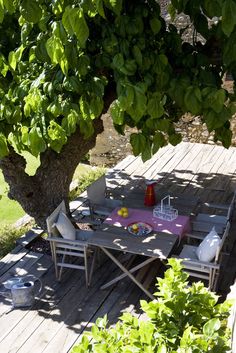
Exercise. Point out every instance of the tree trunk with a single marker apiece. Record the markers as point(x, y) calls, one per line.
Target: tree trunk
point(40, 194)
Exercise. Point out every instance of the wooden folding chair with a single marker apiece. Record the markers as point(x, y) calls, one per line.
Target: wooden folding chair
point(99, 203)
point(203, 222)
point(208, 271)
point(227, 211)
point(64, 249)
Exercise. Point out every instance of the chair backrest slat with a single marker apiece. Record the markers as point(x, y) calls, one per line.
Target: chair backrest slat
point(51, 220)
point(211, 218)
point(200, 226)
point(231, 207)
point(225, 235)
point(220, 247)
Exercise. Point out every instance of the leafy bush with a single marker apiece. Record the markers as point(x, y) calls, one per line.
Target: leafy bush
point(183, 319)
point(8, 236)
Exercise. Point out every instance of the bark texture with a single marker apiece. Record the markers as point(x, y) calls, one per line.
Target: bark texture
point(40, 194)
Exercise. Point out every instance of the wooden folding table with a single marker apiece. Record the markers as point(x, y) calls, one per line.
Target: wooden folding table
point(156, 245)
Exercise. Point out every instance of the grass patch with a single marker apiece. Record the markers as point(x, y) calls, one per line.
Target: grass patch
point(10, 210)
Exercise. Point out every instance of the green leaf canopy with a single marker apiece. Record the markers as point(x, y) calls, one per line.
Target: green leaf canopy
point(62, 61)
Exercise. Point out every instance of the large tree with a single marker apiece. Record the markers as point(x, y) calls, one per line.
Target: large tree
point(63, 63)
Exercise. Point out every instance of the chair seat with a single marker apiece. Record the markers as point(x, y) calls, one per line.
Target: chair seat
point(192, 264)
point(189, 252)
point(107, 207)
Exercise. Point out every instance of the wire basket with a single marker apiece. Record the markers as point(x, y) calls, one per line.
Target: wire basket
point(165, 211)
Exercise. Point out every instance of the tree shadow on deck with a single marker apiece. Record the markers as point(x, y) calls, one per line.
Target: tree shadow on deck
point(65, 309)
point(182, 185)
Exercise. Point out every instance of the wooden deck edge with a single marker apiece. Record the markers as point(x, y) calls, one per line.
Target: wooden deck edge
point(29, 236)
point(8, 257)
point(8, 261)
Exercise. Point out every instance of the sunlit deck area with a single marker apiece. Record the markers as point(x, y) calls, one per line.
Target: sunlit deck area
point(191, 174)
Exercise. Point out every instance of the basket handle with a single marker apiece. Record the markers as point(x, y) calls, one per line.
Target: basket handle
point(162, 201)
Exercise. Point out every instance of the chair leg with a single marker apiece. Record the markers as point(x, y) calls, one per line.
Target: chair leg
point(54, 257)
point(86, 267)
point(212, 280)
point(215, 280)
point(209, 281)
point(91, 210)
point(61, 268)
point(96, 251)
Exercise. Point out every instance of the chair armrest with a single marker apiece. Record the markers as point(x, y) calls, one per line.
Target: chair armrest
point(194, 236)
point(67, 241)
point(216, 205)
point(197, 263)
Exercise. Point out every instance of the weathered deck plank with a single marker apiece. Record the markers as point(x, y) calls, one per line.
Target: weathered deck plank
point(11, 259)
point(74, 311)
point(10, 317)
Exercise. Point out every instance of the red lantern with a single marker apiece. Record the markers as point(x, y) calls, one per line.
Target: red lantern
point(149, 199)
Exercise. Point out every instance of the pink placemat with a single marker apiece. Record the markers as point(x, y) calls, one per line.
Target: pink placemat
point(178, 226)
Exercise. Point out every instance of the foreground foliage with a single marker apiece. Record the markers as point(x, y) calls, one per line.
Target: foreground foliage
point(65, 62)
point(183, 319)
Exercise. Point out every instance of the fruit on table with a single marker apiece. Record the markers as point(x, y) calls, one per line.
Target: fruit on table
point(135, 227)
point(120, 213)
point(123, 212)
point(124, 209)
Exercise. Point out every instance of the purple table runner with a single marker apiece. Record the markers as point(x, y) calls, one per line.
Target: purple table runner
point(178, 226)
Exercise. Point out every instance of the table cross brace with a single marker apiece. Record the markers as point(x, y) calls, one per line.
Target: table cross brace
point(128, 272)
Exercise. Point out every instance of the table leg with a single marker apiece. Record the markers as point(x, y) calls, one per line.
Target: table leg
point(128, 273)
point(137, 267)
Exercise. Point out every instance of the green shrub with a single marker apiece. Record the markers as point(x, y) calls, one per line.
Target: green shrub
point(8, 236)
point(184, 319)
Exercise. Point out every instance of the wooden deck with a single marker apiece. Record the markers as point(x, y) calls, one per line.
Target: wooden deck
point(64, 310)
